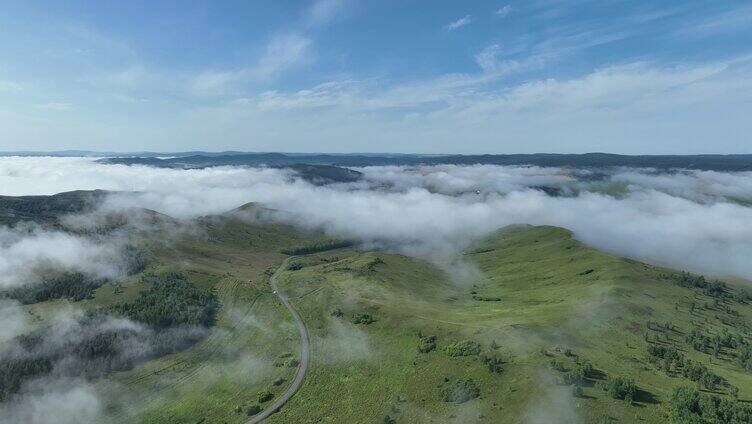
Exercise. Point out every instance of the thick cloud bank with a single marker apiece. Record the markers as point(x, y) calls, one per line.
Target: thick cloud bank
point(685, 219)
point(24, 253)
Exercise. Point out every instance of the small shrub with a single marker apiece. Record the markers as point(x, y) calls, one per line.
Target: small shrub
point(577, 391)
point(294, 266)
point(575, 377)
point(252, 410)
point(362, 319)
point(427, 344)
point(486, 298)
point(337, 313)
point(557, 366)
point(493, 363)
point(463, 348)
point(265, 397)
point(461, 391)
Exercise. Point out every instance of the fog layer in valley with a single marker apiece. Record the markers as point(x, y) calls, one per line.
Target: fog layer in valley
point(686, 219)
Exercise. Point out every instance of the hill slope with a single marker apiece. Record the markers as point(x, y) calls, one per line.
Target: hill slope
point(544, 329)
point(544, 308)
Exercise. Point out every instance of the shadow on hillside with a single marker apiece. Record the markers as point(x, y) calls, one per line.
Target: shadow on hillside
point(643, 396)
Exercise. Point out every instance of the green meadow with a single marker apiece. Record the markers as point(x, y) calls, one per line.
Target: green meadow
point(537, 328)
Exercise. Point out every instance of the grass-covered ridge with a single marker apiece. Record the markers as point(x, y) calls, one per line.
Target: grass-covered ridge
point(545, 328)
point(574, 330)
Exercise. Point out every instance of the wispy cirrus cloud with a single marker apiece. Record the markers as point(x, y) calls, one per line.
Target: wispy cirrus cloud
point(459, 23)
point(503, 11)
point(282, 52)
point(56, 106)
point(324, 12)
point(726, 22)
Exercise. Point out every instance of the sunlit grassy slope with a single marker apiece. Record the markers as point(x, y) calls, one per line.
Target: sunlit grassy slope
point(246, 352)
point(534, 295)
point(540, 296)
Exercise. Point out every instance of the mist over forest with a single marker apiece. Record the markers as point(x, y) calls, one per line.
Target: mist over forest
point(684, 218)
point(73, 226)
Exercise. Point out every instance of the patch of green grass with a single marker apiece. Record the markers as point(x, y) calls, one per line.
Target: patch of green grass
point(560, 300)
point(540, 298)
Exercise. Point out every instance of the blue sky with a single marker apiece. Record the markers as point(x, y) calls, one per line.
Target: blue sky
point(377, 76)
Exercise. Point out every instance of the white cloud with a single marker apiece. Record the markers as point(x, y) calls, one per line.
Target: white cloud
point(682, 220)
point(14, 319)
point(211, 82)
point(323, 12)
point(459, 23)
point(490, 60)
point(282, 52)
point(65, 401)
point(24, 253)
point(56, 106)
point(503, 11)
point(727, 22)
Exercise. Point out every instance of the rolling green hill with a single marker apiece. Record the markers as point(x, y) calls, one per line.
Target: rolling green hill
point(47, 209)
point(540, 329)
point(545, 308)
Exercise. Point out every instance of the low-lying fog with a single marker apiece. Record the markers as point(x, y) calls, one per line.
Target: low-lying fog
point(692, 220)
point(686, 219)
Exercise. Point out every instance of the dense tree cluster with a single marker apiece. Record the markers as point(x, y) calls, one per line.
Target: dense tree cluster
point(673, 360)
point(706, 344)
point(698, 372)
point(171, 300)
point(621, 388)
point(47, 209)
point(73, 285)
point(172, 312)
point(579, 374)
point(463, 348)
point(91, 351)
point(668, 357)
point(14, 371)
point(317, 247)
point(689, 406)
point(714, 288)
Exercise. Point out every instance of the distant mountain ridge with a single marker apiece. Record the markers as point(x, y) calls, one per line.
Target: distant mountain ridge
point(699, 162)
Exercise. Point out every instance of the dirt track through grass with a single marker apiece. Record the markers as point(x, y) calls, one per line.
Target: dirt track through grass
point(300, 373)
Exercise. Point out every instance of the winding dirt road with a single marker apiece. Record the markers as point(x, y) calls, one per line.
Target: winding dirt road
point(300, 373)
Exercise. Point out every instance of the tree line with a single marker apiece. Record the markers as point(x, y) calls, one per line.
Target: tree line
point(173, 313)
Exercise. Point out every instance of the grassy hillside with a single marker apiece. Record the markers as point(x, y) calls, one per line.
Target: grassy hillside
point(47, 209)
point(250, 348)
point(543, 308)
point(544, 330)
